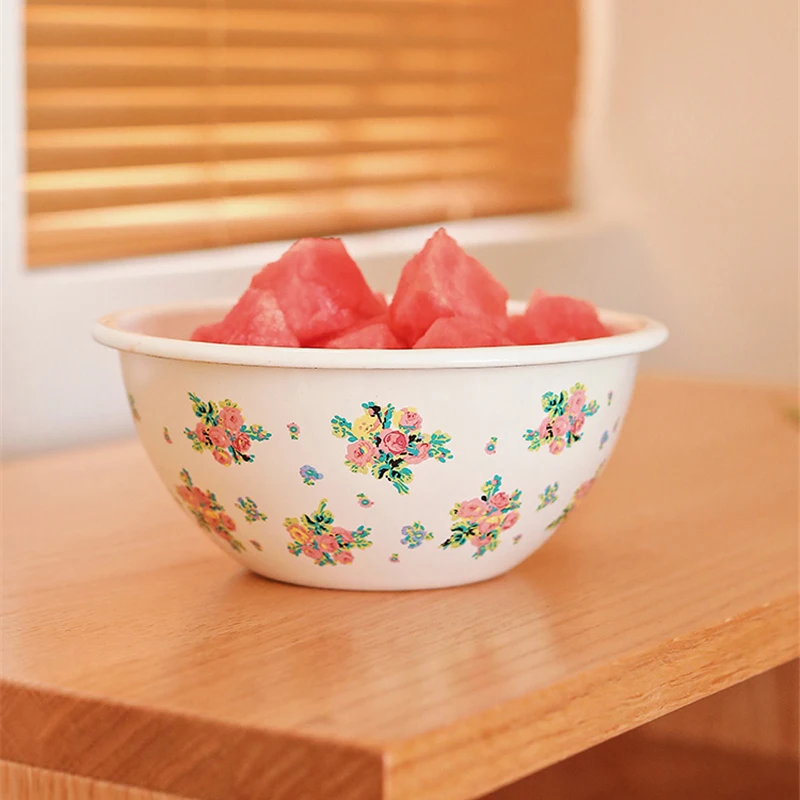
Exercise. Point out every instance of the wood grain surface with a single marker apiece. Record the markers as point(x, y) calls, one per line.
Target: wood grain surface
point(21, 782)
point(134, 653)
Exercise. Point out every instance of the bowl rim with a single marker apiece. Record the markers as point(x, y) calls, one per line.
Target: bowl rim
point(638, 334)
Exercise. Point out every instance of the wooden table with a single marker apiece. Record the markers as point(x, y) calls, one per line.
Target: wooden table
point(135, 654)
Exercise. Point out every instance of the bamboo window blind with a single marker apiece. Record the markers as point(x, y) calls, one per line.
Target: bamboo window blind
point(157, 126)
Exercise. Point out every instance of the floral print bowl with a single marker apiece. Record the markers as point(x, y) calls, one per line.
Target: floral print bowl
point(359, 469)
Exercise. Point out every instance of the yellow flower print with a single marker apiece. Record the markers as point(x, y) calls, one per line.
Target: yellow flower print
point(365, 425)
point(299, 533)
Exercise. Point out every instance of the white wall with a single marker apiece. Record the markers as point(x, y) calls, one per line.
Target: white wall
point(689, 136)
point(696, 144)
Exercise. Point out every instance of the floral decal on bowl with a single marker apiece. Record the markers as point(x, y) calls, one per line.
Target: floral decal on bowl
point(517, 538)
point(566, 414)
point(481, 520)
point(167, 437)
point(310, 475)
point(223, 431)
point(414, 535)
point(548, 497)
point(394, 558)
point(134, 412)
point(610, 397)
point(256, 544)
point(387, 442)
point(364, 501)
point(207, 511)
point(294, 430)
point(603, 439)
point(250, 510)
point(491, 446)
point(616, 424)
point(577, 496)
point(316, 537)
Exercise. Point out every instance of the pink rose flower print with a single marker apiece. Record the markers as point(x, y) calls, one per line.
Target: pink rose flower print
point(560, 427)
point(480, 521)
point(222, 457)
point(222, 430)
point(328, 543)
point(218, 437)
point(394, 442)
point(566, 415)
point(386, 442)
point(360, 452)
point(423, 453)
point(410, 419)
point(491, 446)
point(316, 537)
point(500, 500)
point(230, 417)
point(242, 443)
point(294, 430)
point(207, 511)
point(472, 509)
point(510, 521)
point(577, 399)
point(576, 422)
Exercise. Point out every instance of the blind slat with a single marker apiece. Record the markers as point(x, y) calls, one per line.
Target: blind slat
point(153, 106)
point(164, 125)
point(85, 26)
point(204, 224)
point(91, 189)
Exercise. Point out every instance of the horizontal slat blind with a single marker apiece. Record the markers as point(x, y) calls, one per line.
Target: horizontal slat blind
point(166, 125)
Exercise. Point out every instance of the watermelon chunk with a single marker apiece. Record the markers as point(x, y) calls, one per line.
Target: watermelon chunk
point(518, 329)
point(256, 319)
point(443, 281)
point(319, 288)
point(462, 332)
point(373, 336)
point(552, 318)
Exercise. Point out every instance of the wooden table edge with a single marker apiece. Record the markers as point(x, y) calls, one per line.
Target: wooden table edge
point(500, 746)
point(476, 755)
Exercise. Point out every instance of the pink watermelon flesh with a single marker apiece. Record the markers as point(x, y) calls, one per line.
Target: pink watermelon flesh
point(518, 329)
point(256, 320)
point(443, 281)
point(462, 332)
point(550, 319)
point(320, 289)
point(373, 336)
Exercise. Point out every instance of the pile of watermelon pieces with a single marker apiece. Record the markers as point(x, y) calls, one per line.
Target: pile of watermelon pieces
point(314, 295)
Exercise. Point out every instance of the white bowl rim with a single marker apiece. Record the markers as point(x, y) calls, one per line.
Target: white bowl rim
point(638, 335)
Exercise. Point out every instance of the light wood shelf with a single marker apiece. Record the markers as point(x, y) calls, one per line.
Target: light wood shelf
point(135, 654)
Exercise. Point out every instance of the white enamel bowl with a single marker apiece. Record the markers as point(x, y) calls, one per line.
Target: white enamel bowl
point(460, 460)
